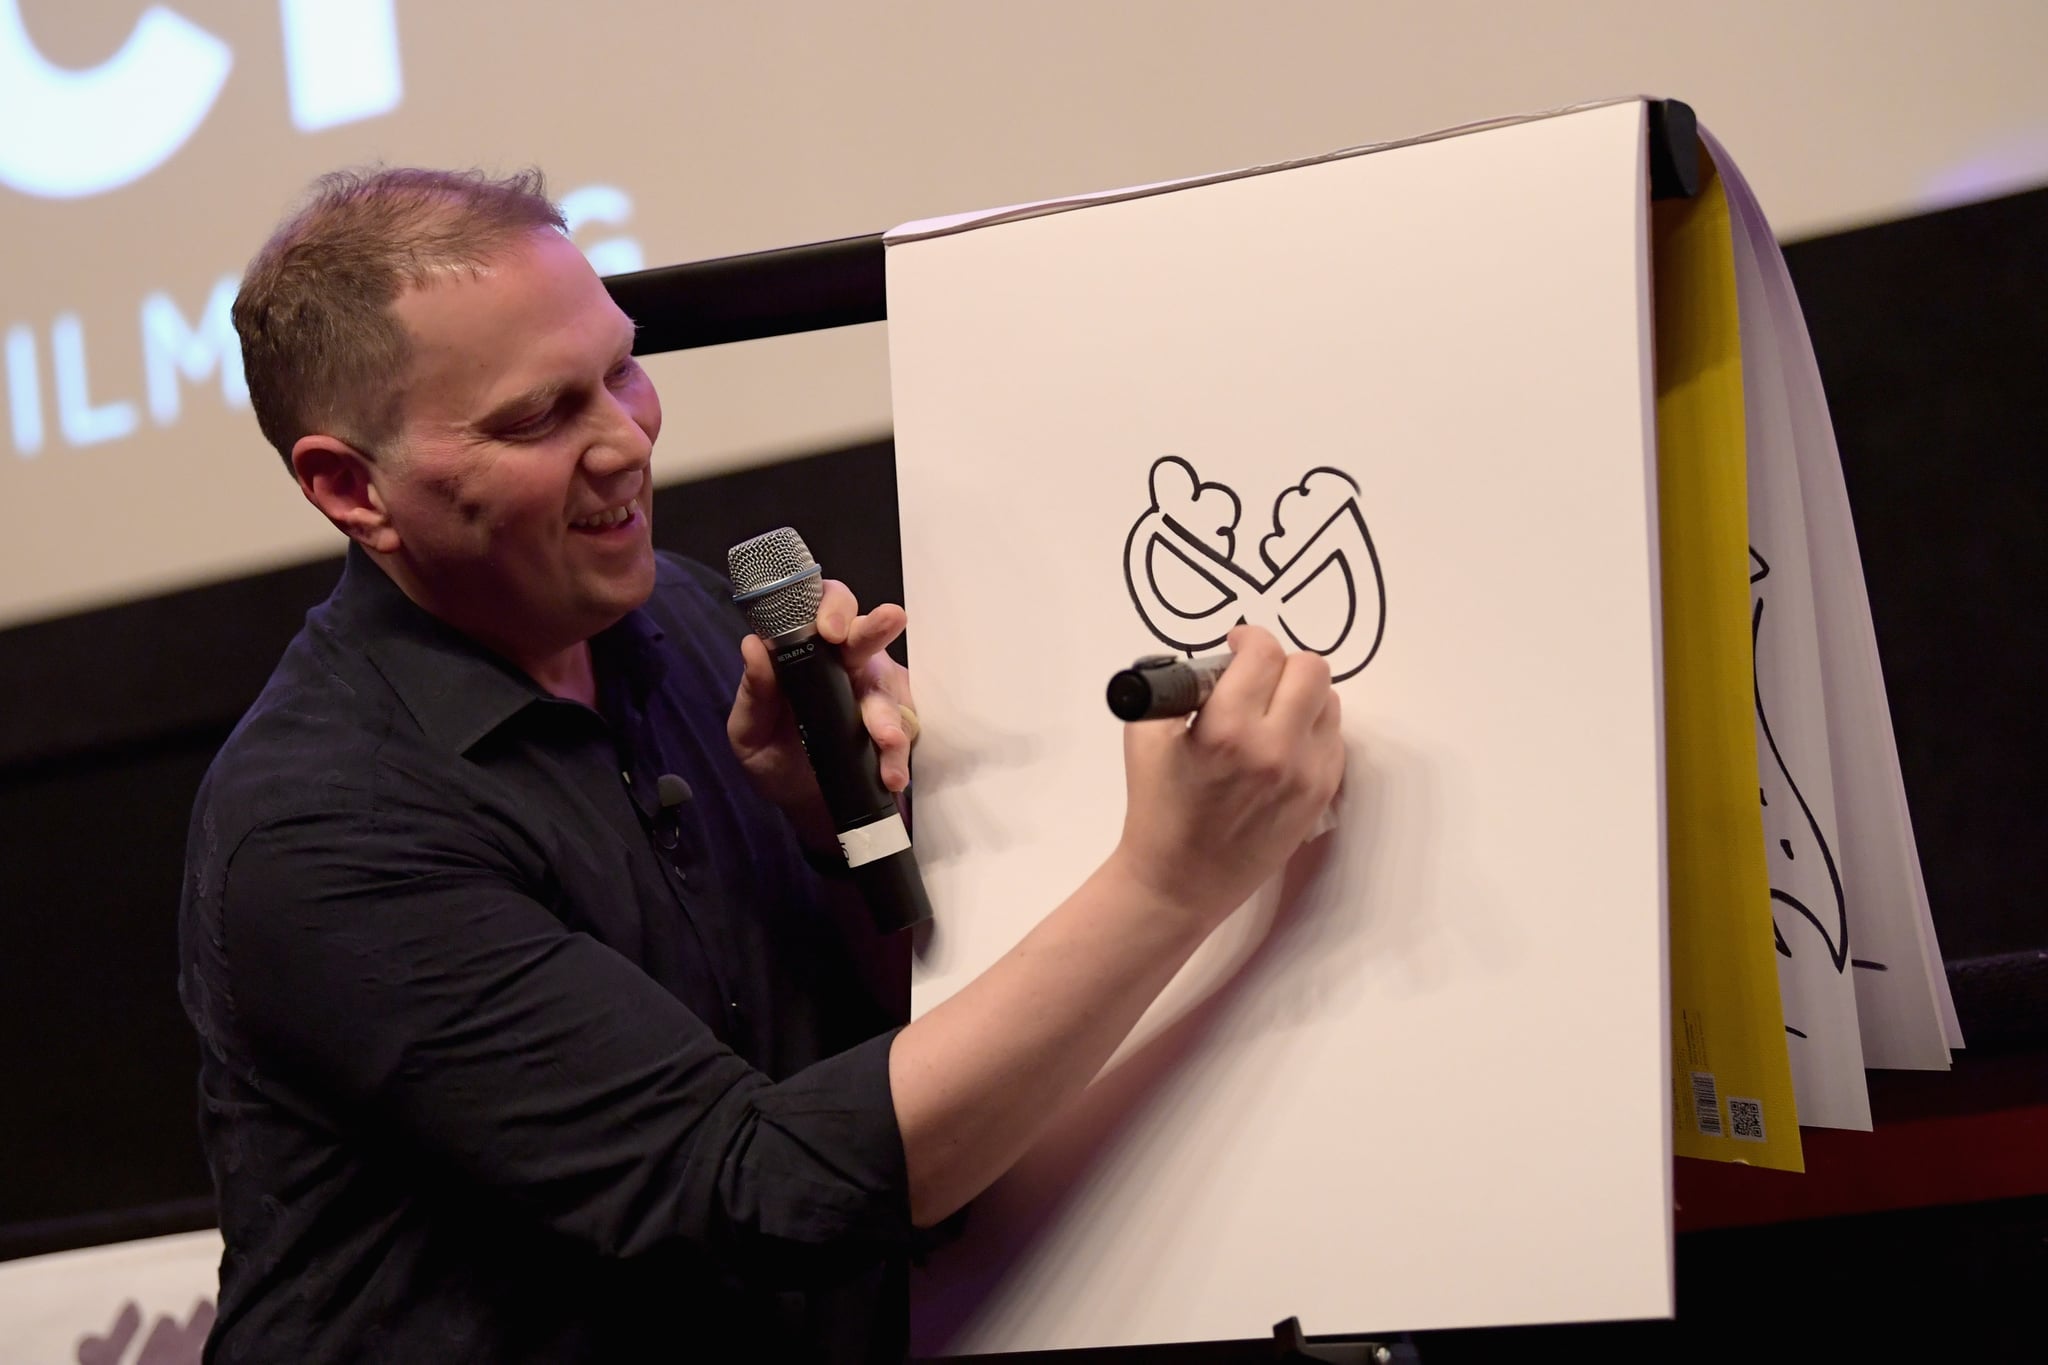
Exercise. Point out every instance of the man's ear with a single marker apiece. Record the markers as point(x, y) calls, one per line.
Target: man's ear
point(338, 479)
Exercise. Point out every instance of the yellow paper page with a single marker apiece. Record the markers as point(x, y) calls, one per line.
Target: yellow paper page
point(1731, 1074)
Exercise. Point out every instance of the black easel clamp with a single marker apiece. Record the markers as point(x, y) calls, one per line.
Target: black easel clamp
point(1290, 1344)
point(1674, 150)
point(761, 294)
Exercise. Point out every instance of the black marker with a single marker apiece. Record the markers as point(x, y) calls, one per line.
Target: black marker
point(1161, 685)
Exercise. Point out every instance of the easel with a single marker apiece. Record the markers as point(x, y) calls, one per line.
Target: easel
point(843, 283)
point(1290, 1344)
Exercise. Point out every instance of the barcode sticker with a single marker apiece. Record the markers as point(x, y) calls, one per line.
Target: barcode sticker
point(1746, 1119)
point(1706, 1104)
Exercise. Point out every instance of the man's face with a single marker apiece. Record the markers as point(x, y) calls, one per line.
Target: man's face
point(520, 488)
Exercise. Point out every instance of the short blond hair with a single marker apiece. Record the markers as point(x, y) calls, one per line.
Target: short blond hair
point(320, 347)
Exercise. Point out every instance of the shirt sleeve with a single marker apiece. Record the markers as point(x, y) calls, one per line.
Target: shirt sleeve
point(400, 980)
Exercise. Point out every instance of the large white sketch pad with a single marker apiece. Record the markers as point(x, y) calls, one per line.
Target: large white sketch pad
point(1438, 1095)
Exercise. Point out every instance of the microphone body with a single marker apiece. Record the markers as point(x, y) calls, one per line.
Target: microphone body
point(780, 587)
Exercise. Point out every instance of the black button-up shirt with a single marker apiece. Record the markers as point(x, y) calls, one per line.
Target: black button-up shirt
point(503, 1059)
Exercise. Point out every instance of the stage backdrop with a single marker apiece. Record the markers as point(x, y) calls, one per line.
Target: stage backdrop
point(146, 148)
point(1396, 408)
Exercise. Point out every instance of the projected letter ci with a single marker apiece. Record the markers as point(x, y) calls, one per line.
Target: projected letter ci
point(65, 134)
point(1316, 583)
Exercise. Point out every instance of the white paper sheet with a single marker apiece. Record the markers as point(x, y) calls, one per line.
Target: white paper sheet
point(149, 1300)
point(1809, 909)
point(1431, 1089)
point(1905, 1016)
point(958, 222)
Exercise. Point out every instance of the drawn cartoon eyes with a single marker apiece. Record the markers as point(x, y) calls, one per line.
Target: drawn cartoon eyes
point(1319, 587)
point(1186, 588)
point(1327, 597)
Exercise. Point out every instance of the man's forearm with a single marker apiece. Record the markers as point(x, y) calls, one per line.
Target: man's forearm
point(976, 1080)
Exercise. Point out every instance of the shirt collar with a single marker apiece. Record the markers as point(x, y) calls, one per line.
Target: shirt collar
point(456, 689)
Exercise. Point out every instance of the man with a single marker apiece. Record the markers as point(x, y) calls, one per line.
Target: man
point(504, 1056)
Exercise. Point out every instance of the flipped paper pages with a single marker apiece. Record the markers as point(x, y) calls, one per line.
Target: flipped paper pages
point(1400, 406)
point(1863, 977)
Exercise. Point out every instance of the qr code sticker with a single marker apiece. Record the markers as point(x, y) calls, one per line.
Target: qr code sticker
point(1746, 1119)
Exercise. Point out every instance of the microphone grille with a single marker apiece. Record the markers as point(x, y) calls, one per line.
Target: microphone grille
point(768, 559)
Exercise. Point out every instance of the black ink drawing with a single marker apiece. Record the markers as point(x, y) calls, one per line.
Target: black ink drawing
point(1804, 878)
point(1317, 585)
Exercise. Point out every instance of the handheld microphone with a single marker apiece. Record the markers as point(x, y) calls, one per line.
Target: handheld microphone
point(779, 586)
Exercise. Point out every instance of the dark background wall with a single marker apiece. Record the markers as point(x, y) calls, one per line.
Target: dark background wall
point(1931, 334)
